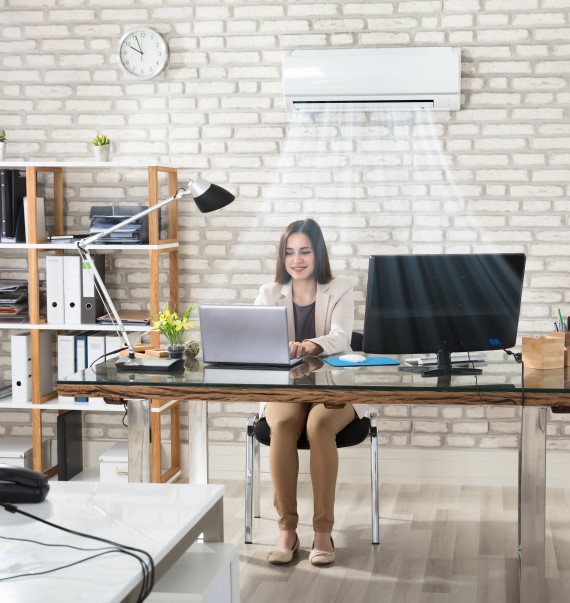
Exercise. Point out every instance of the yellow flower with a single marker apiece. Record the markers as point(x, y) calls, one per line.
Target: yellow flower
point(172, 325)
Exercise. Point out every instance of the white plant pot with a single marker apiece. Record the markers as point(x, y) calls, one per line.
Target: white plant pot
point(102, 153)
point(2, 150)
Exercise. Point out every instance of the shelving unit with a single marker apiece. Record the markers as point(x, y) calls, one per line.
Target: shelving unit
point(155, 248)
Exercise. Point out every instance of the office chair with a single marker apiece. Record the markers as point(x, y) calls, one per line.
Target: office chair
point(354, 433)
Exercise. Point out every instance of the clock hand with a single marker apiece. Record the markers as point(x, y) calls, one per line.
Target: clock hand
point(135, 49)
point(139, 44)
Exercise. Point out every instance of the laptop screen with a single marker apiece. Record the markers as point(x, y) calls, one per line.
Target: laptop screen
point(245, 335)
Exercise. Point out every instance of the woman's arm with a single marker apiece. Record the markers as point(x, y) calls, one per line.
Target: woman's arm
point(342, 322)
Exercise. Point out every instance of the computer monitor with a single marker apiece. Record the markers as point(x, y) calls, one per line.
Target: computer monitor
point(440, 304)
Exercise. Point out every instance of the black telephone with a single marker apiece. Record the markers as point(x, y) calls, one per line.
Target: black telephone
point(21, 485)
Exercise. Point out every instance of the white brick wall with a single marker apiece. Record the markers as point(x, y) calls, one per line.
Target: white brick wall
point(493, 176)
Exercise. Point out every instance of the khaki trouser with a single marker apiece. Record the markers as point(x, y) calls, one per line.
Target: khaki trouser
point(287, 421)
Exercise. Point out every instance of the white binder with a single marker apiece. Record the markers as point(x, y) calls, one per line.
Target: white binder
point(41, 219)
point(65, 359)
point(95, 349)
point(113, 342)
point(22, 366)
point(54, 289)
point(72, 289)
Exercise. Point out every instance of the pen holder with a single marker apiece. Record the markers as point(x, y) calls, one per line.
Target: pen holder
point(544, 379)
point(543, 352)
point(565, 336)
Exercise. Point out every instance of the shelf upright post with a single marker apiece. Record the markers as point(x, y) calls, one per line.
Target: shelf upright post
point(34, 299)
point(154, 273)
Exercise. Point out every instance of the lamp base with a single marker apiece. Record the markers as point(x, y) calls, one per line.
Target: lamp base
point(149, 365)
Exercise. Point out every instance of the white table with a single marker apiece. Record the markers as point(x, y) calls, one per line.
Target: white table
point(162, 519)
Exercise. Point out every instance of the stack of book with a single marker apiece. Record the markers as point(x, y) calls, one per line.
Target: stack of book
point(13, 300)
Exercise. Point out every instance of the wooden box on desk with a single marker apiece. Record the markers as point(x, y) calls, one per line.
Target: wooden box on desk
point(564, 335)
point(543, 352)
point(553, 379)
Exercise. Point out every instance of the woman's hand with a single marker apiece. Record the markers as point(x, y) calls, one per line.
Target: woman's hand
point(304, 348)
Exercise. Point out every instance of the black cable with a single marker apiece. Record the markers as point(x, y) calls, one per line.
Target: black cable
point(147, 568)
point(108, 354)
point(125, 415)
point(517, 357)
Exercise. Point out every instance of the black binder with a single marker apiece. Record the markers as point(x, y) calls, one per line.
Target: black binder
point(69, 445)
point(12, 193)
point(6, 219)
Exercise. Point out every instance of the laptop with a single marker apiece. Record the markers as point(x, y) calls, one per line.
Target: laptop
point(248, 336)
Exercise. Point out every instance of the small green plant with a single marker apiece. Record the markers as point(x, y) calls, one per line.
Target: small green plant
point(2, 135)
point(100, 140)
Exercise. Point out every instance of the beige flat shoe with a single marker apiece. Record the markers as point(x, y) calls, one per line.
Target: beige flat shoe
point(317, 557)
point(281, 557)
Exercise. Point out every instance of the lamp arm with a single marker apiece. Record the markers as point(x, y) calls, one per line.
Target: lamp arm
point(100, 235)
point(109, 305)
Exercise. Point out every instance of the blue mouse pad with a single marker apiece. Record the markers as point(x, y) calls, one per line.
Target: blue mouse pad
point(370, 361)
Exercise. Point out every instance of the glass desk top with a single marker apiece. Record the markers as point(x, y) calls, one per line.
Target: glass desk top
point(500, 373)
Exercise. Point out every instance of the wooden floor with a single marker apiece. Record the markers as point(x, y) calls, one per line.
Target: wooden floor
point(439, 544)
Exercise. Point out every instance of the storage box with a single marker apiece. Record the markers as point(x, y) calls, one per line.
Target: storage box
point(206, 573)
point(543, 352)
point(18, 451)
point(114, 463)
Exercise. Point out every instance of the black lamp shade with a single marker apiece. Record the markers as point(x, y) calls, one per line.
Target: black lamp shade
point(215, 197)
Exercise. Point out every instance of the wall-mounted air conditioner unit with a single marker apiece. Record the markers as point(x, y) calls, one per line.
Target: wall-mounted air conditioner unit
point(372, 79)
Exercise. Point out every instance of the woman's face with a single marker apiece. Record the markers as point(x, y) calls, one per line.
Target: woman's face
point(299, 257)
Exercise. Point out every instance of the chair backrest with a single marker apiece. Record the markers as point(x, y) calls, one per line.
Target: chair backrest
point(356, 341)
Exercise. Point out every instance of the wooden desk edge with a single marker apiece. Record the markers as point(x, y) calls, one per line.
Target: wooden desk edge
point(332, 396)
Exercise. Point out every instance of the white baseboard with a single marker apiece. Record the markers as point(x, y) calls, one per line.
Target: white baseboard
point(405, 465)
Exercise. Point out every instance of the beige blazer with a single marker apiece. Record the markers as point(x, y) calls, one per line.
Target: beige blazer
point(334, 316)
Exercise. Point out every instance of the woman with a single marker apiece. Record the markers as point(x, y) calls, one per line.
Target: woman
point(320, 312)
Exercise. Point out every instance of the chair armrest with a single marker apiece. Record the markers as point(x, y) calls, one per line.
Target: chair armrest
point(251, 421)
point(373, 415)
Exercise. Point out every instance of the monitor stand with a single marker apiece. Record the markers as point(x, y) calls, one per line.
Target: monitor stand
point(444, 367)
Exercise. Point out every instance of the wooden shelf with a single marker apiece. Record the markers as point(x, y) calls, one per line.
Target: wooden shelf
point(44, 326)
point(155, 250)
point(72, 246)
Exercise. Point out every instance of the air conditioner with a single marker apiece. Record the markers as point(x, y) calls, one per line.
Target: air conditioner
point(372, 79)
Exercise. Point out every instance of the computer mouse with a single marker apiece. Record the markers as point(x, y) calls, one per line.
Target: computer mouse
point(352, 358)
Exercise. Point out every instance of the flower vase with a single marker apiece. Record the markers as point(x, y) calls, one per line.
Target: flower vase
point(102, 152)
point(175, 351)
point(2, 150)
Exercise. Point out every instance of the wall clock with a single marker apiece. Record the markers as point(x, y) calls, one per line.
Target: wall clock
point(143, 53)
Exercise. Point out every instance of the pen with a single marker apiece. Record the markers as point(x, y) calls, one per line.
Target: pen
point(561, 320)
point(556, 326)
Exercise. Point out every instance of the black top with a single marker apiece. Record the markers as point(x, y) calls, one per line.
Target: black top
point(304, 321)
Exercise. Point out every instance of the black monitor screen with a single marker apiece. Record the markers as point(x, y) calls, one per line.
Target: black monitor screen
point(418, 304)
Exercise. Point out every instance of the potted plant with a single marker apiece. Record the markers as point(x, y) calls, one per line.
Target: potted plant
point(2, 144)
point(172, 326)
point(101, 146)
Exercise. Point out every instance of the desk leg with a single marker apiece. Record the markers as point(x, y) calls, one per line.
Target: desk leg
point(139, 440)
point(532, 505)
point(197, 442)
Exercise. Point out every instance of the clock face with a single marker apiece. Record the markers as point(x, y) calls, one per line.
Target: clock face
point(143, 53)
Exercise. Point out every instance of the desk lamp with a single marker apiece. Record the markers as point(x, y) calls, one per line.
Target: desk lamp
point(208, 197)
